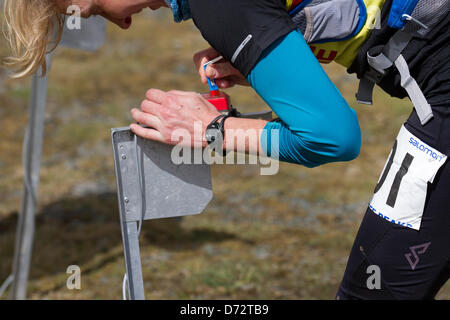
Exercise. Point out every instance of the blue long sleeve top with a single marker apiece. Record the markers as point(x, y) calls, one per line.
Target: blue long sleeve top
point(316, 125)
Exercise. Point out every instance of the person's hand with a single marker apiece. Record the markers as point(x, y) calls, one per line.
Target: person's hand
point(174, 117)
point(225, 75)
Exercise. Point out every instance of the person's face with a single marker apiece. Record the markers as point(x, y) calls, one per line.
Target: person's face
point(117, 11)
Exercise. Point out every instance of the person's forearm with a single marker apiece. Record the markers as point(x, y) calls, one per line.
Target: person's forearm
point(243, 135)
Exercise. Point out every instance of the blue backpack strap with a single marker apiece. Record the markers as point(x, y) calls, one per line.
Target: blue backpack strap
point(398, 9)
point(299, 7)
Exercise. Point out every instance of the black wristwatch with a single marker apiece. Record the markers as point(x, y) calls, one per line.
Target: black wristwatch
point(216, 130)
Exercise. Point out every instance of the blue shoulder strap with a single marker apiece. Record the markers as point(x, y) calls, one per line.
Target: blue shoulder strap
point(299, 7)
point(398, 9)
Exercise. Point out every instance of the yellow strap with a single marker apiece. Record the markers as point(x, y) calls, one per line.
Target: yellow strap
point(288, 4)
point(344, 52)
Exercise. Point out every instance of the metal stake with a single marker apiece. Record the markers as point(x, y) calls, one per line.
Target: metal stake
point(168, 190)
point(31, 161)
point(133, 260)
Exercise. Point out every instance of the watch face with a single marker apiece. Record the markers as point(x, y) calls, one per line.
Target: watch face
point(212, 134)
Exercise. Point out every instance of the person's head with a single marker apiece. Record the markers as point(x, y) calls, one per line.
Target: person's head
point(32, 24)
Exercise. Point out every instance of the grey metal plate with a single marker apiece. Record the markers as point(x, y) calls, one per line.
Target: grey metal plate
point(90, 37)
point(263, 115)
point(170, 190)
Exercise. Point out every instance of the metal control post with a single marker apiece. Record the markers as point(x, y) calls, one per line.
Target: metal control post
point(151, 186)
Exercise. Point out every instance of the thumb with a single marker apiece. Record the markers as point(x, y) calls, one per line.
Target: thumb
point(221, 70)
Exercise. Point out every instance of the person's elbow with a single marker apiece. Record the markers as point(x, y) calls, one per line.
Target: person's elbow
point(345, 139)
point(317, 145)
point(348, 145)
point(338, 142)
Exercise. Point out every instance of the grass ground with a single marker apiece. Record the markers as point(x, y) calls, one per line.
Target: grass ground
point(286, 236)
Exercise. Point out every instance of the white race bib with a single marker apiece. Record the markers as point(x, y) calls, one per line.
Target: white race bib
point(400, 194)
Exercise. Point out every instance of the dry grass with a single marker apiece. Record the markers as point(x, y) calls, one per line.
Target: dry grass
point(286, 236)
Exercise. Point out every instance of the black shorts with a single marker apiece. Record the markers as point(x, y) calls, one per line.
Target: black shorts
point(412, 264)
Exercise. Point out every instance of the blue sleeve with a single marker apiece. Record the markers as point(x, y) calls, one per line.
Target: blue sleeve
point(317, 126)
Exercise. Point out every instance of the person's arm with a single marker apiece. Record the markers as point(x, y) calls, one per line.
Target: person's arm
point(182, 117)
point(317, 125)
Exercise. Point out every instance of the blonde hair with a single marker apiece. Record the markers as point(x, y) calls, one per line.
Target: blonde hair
point(33, 28)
